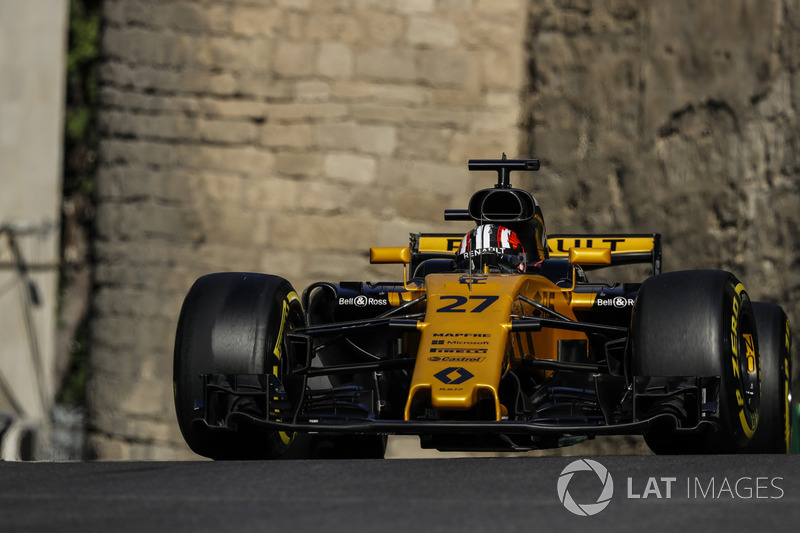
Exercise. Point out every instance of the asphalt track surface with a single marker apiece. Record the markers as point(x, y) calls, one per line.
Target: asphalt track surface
point(407, 495)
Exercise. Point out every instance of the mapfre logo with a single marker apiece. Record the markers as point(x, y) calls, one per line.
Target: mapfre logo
point(605, 493)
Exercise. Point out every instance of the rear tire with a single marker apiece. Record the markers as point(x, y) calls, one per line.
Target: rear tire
point(700, 323)
point(774, 348)
point(233, 323)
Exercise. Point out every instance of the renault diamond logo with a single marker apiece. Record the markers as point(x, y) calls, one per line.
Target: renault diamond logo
point(454, 375)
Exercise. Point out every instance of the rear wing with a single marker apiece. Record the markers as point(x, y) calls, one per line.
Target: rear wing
point(622, 249)
point(625, 249)
point(436, 244)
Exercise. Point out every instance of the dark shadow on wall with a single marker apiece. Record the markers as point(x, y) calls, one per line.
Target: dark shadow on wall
point(673, 117)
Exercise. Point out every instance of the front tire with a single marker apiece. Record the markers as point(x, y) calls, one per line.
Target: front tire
point(233, 323)
point(700, 323)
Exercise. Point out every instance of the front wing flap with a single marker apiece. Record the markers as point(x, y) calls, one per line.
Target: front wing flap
point(235, 401)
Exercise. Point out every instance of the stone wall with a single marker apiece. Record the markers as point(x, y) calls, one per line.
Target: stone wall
point(676, 117)
point(288, 136)
point(283, 136)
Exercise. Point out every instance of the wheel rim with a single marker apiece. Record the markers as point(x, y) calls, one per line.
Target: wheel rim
point(748, 369)
point(283, 353)
point(747, 372)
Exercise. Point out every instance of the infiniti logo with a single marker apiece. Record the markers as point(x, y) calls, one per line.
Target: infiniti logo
point(585, 509)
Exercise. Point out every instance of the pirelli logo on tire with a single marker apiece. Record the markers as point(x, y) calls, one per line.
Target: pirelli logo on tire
point(787, 393)
point(743, 371)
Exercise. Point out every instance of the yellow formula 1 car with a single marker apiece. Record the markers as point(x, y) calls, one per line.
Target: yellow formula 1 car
point(492, 341)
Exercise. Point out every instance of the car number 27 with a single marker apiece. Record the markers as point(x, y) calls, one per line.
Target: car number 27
point(460, 304)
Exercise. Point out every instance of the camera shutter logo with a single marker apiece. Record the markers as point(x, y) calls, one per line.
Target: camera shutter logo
point(585, 509)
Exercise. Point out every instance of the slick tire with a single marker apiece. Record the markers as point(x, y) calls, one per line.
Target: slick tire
point(700, 323)
point(233, 323)
point(774, 348)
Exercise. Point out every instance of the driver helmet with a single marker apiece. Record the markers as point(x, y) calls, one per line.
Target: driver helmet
point(494, 246)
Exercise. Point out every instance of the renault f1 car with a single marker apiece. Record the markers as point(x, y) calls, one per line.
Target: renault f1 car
point(493, 341)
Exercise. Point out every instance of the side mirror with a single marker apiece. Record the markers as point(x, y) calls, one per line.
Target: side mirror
point(590, 256)
point(393, 254)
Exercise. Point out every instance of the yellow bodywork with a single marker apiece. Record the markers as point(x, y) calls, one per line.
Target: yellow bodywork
point(465, 341)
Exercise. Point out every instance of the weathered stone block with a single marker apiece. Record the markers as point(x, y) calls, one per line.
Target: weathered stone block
point(326, 25)
point(335, 60)
point(387, 64)
point(312, 91)
point(445, 67)
point(270, 194)
point(414, 6)
point(222, 53)
point(437, 178)
point(197, 18)
point(326, 196)
point(294, 59)
point(246, 160)
point(507, 7)
point(203, 82)
point(384, 28)
point(502, 69)
point(385, 113)
point(336, 135)
point(264, 87)
point(255, 20)
point(136, 152)
point(237, 227)
point(438, 117)
point(225, 131)
point(301, 164)
point(486, 34)
point(483, 145)
point(315, 233)
point(286, 135)
point(432, 32)
point(423, 143)
point(294, 112)
point(357, 169)
point(380, 140)
point(303, 5)
point(244, 108)
point(356, 91)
